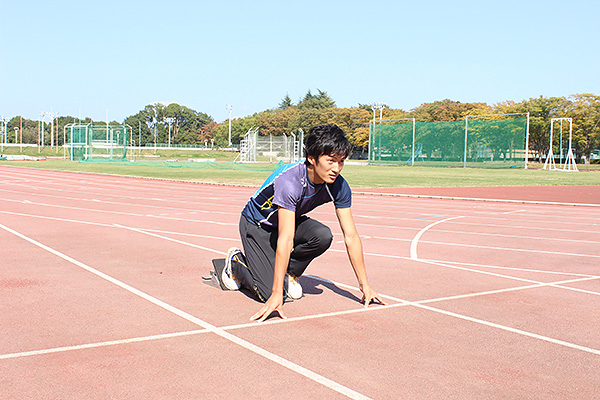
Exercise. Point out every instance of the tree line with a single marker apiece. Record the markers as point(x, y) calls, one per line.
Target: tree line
point(190, 127)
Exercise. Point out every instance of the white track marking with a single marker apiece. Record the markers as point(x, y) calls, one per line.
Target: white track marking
point(494, 235)
point(173, 240)
point(400, 303)
point(55, 218)
point(440, 262)
point(420, 196)
point(488, 214)
point(122, 213)
point(509, 329)
point(415, 241)
point(420, 304)
point(540, 271)
point(100, 344)
point(446, 265)
point(357, 216)
point(219, 331)
point(558, 253)
point(474, 294)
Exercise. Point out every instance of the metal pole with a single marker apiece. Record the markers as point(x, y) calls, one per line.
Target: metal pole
point(413, 144)
point(229, 107)
point(466, 130)
point(51, 115)
point(527, 142)
point(550, 157)
point(561, 142)
point(370, 142)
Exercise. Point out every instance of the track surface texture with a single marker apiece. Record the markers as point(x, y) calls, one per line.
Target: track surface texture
point(102, 295)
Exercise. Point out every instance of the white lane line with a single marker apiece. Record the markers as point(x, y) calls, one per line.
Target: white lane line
point(219, 331)
point(439, 262)
point(415, 241)
point(475, 199)
point(509, 329)
point(516, 237)
point(420, 304)
point(121, 213)
point(101, 344)
point(558, 253)
point(540, 271)
point(400, 303)
point(172, 240)
point(535, 283)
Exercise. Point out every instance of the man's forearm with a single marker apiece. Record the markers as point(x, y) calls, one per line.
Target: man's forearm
point(355, 254)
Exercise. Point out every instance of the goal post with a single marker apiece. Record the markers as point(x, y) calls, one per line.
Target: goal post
point(566, 153)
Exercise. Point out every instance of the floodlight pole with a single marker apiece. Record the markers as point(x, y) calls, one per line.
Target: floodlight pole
point(170, 121)
point(527, 142)
point(52, 116)
point(378, 105)
point(229, 107)
point(466, 132)
point(3, 122)
point(41, 134)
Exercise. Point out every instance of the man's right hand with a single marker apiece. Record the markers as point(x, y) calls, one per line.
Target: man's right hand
point(274, 303)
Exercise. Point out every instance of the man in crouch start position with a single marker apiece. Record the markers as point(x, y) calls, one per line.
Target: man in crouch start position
point(280, 241)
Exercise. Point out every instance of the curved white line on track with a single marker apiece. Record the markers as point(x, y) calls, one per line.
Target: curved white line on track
point(415, 241)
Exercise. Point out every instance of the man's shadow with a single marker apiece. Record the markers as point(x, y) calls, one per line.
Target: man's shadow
point(313, 285)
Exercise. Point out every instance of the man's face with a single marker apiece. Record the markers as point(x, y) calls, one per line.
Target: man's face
point(326, 168)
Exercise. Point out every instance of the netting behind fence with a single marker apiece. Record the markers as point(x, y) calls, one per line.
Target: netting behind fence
point(471, 142)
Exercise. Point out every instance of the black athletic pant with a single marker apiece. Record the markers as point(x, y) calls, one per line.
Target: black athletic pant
point(311, 239)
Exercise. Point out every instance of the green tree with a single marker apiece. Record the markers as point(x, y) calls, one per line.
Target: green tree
point(142, 130)
point(319, 101)
point(585, 111)
point(286, 102)
point(541, 111)
point(239, 127)
point(443, 111)
point(355, 122)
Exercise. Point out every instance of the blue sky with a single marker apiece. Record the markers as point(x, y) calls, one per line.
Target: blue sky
point(84, 58)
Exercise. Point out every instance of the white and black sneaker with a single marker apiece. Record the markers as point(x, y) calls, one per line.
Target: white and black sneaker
point(227, 277)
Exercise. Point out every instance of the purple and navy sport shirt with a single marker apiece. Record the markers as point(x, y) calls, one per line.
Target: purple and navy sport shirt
point(289, 187)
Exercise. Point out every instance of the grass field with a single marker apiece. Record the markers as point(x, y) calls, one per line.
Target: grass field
point(359, 176)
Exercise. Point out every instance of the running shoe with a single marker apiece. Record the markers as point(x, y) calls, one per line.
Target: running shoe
point(294, 289)
point(227, 277)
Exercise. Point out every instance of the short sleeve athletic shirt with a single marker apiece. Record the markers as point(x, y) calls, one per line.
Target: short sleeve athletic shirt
point(290, 187)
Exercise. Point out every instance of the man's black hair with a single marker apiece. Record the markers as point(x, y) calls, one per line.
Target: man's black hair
point(328, 139)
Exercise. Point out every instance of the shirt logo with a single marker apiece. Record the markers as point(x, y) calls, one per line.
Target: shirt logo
point(268, 204)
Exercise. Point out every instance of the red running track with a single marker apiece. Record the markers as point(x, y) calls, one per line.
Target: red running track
point(102, 297)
